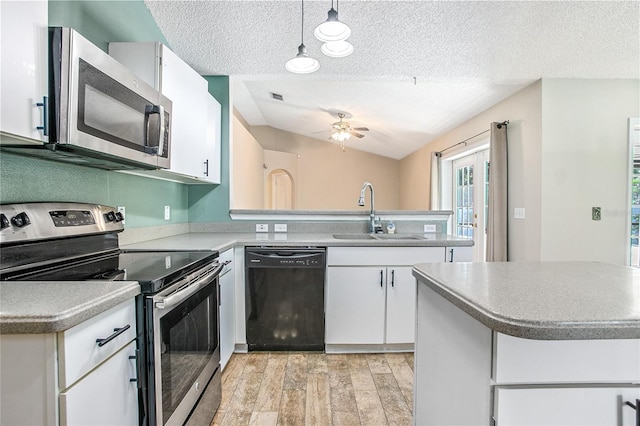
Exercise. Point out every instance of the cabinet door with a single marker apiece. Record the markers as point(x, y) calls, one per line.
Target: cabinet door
point(24, 40)
point(459, 254)
point(106, 396)
point(355, 305)
point(227, 309)
point(401, 305)
point(186, 89)
point(565, 406)
point(212, 153)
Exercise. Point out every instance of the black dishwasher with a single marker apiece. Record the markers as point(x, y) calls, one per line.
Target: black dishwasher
point(284, 298)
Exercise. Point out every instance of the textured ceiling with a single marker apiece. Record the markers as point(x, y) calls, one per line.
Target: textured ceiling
point(420, 68)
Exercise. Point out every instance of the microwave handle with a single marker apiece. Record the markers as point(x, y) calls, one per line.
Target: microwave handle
point(157, 149)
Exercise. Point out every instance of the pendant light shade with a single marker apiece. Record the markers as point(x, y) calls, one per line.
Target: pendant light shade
point(302, 63)
point(337, 49)
point(332, 29)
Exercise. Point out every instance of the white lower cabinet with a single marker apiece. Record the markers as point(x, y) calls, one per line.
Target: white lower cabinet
point(106, 396)
point(66, 378)
point(459, 254)
point(565, 406)
point(227, 308)
point(468, 374)
point(401, 305)
point(355, 306)
point(371, 296)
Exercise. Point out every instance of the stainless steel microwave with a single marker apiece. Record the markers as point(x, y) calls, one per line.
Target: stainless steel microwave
point(100, 113)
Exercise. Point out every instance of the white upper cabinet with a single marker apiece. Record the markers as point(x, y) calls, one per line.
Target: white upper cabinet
point(24, 35)
point(195, 121)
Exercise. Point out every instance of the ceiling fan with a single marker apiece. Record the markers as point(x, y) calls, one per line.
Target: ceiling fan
point(343, 129)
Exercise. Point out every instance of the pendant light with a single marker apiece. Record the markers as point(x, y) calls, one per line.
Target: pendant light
point(332, 29)
point(337, 49)
point(302, 63)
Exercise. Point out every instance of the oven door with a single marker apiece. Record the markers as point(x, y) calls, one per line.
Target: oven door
point(185, 351)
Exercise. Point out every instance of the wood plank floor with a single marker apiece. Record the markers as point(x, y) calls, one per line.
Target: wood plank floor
point(302, 388)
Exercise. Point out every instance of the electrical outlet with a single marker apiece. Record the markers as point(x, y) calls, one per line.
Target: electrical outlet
point(121, 210)
point(596, 213)
point(430, 228)
point(167, 212)
point(280, 227)
point(518, 213)
point(262, 227)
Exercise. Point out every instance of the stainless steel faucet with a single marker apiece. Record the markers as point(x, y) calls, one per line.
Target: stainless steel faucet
point(373, 225)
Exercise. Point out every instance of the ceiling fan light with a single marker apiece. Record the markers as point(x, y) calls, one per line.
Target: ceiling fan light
point(340, 135)
point(302, 63)
point(332, 29)
point(337, 49)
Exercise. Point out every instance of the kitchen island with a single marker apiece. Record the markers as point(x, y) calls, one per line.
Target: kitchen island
point(547, 343)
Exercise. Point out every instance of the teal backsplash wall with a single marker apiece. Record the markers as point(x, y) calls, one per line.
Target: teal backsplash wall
point(25, 179)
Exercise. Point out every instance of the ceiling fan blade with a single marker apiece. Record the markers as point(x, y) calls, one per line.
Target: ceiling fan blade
point(357, 135)
point(362, 129)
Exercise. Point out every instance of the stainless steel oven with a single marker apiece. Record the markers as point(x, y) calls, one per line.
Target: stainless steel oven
point(179, 378)
point(183, 342)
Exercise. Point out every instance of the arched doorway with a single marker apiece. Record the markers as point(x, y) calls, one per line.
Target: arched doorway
point(280, 187)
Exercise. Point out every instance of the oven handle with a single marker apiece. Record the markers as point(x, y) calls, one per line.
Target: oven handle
point(161, 302)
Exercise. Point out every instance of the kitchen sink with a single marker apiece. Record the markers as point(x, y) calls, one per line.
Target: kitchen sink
point(354, 237)
point(398, 237)
point(378, 237)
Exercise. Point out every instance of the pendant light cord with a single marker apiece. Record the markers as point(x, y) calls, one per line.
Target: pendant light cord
point(302, 20)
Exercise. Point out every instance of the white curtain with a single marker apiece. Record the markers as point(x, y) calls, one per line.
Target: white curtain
point(436, 197)
point(498, 215)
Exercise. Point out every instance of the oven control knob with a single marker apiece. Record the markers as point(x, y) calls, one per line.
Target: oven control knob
point(4, 222)
point(119, 217)
point(20, 220)
point(110, 216)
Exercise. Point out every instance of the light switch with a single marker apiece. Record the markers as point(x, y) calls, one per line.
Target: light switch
point(518, 213)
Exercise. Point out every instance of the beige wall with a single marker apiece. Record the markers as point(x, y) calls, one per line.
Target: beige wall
point(247, 173)
point(585, 164)
point(568, 152)
point(523, 110)
point(331, 179)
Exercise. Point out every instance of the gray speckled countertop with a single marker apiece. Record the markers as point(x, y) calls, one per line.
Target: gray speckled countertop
point(33, 307)
point(543, 300)
point(225, 240)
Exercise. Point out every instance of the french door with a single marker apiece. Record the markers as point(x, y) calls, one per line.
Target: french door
point(470, 184)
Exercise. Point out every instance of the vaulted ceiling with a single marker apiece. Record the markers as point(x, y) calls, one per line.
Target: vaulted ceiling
point(419, 69)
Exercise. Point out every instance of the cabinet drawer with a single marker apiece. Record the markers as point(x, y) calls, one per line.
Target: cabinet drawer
point(556, 361)
point(392, 256)
point(107, 396)
point(565, 406)
point(78, 350)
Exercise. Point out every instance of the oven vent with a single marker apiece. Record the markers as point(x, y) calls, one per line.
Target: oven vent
point(277, 96)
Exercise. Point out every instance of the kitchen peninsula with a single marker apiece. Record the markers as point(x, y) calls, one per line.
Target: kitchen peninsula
point(527, 343)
